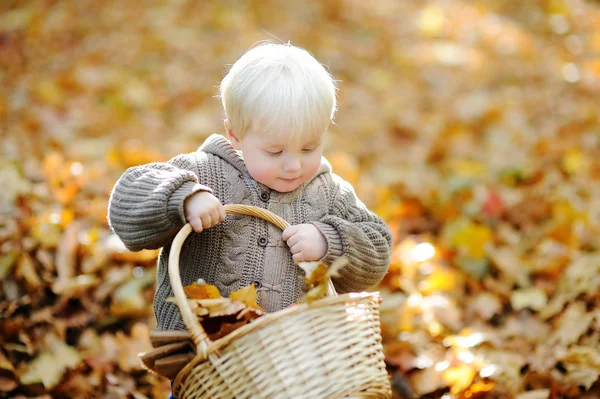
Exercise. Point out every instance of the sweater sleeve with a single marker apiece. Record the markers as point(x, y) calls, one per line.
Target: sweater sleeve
point(354, 231)
point(146, 205)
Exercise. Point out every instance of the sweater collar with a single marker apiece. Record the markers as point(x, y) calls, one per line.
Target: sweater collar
point(218, 145)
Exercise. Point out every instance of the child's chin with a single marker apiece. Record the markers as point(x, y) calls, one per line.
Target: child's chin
point(285, 188)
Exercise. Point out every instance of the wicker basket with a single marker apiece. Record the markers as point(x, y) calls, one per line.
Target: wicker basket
point(330, 348)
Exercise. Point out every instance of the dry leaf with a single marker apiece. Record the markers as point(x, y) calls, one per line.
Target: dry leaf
point(201, 291)
point(583, 365)
point(531, 298)
point(572, 324)
point(537, 394)
point(50, 366)
point(246, 295)
point(66, 254)
point(318, 275)
point(460, 377)
point(506, 192)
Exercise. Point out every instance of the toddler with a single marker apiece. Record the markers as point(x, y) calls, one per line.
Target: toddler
point(278, 102)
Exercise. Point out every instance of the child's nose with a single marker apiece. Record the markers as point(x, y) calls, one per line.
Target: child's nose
point(291, 165)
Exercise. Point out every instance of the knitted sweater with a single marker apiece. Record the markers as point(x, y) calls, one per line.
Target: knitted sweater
point(146, 212)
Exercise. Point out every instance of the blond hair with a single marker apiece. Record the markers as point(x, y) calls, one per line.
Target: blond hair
point(278, 88)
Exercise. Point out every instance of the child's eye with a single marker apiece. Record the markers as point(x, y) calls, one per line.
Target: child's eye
point(274, 152)
point(308, 149)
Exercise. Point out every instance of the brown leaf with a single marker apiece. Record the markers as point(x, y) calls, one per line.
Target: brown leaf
point(5, 364)
point(7, 384)
point(66, 254)
point(50, 366)
point(27, 269)
point(7, 261)
point(130, 346)
point(426, 381)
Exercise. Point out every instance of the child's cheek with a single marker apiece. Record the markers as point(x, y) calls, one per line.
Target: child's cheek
point(312, 165)
point(263, 172)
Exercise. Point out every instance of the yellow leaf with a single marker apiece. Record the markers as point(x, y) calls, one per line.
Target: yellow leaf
point(481, 387)
point(318, 275)
point(574, 161)
point(431, 21)
point(315, 293)
point(246, 295)
point(316, 278)
point(406, 320)
point(557, 7)
point(201, 291)
point(439, 280)
point(316, 272)
point(472, 239)
point(467, 168)
point(5, 364)
point(49, 92)
point(48, 234)
point(7, 261)
point(459, 377)
point(563, 211)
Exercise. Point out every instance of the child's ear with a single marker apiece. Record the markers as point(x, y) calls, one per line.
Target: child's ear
point(233, 139)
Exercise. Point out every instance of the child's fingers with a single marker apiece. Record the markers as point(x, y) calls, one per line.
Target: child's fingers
point(295, 249)
point(293, 240)
point(206, 221)
point(222, 213)
point(215, 217)
point(288, 232)
point(299, 257)
point(196, 224)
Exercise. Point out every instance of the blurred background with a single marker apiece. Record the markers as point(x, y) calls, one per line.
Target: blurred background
point(471, 127)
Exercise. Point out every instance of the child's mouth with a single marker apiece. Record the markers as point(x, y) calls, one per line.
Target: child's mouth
point(289, 180)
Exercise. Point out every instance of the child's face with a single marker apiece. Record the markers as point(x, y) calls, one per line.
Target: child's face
point(277, 161)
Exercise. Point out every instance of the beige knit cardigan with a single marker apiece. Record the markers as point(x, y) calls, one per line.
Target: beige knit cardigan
point(146, 212)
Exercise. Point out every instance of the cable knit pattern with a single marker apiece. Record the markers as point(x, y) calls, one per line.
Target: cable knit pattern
point(146, 211)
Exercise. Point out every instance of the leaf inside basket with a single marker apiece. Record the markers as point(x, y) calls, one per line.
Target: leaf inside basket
point(247, 296)
point(221, 316)
point(201, 291)
point(317, 275)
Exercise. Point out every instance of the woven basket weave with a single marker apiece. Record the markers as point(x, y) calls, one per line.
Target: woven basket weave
point(330, 348)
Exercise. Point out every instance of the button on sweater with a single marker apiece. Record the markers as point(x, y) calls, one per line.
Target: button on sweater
point(146, 212)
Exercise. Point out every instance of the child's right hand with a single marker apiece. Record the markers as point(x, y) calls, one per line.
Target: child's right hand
point(203, 210)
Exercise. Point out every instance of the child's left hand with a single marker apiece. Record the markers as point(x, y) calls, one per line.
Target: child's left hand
point(306, 242)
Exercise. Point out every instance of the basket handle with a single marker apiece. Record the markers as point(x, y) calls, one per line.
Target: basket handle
point(191, 322)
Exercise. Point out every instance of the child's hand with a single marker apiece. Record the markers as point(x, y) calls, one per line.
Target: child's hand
point(203, 210)
point(306, 242)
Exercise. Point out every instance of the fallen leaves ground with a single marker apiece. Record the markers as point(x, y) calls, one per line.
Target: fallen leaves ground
point(471, 127)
